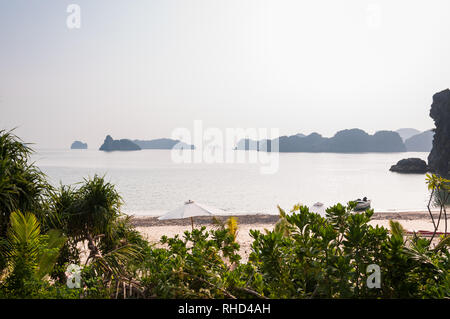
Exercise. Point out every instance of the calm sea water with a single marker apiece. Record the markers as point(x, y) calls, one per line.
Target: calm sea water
point(150, 183)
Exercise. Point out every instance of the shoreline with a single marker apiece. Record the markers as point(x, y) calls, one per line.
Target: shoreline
point(268, 219)
point(153, 229)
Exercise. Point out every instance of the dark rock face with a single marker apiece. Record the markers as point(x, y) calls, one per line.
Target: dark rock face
point(77, 145)
point(439, 158)
point(410, 165)
point(163, 144)
point(118, 145)
point(346, 141)
point(422, 142)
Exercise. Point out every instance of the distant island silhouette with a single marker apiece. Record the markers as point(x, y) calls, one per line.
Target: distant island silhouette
point(78, 145)
point(406, 133)
point(345, 141)
point(422, 142)
point(162, 144)
point(118, 145)
point(128, 145)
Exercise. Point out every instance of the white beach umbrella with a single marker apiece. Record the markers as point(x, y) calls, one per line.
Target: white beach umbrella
point(192, 209)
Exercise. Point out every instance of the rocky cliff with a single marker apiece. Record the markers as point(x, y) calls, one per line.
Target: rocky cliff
point(439, 158)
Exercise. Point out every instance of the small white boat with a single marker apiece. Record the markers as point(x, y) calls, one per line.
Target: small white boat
point(362, 204)
point(318, 204)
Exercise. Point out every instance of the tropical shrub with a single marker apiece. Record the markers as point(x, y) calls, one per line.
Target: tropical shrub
point(29, 255)
point(22, 185)
point(439, 188)
point(307, 256)
point(195, 266)
point(91, 214)
point(328, 258)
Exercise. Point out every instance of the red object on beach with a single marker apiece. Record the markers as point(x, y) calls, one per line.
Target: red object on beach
point(425, 233)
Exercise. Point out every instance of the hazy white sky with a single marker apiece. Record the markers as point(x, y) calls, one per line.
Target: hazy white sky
point(139, 69)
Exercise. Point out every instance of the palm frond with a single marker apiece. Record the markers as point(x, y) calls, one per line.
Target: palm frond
point(443, 243)
point(232, 226)
point(49, 255)
point(396, 229)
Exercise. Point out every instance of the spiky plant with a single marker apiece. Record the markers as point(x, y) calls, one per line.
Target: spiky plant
point(91, 214)
point(22, 185)
point(396, 229)
point(282, 226)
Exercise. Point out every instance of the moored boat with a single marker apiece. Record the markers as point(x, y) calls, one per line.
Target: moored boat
point(362, 204)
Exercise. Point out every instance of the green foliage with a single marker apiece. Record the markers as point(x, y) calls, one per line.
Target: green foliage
point(440, 194)
point(92, 214)
point(22, 185)
point(437, 182)
point(328, 258)
point(193, 266)
point(319, 257)
point(282, 225)
point(30, 256)
point(230, 224)
point(86, 212)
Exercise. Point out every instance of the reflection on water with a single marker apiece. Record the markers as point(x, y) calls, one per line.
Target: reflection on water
point(151, 183)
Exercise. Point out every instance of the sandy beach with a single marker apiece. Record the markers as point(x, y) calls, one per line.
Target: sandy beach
point(152, 228)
